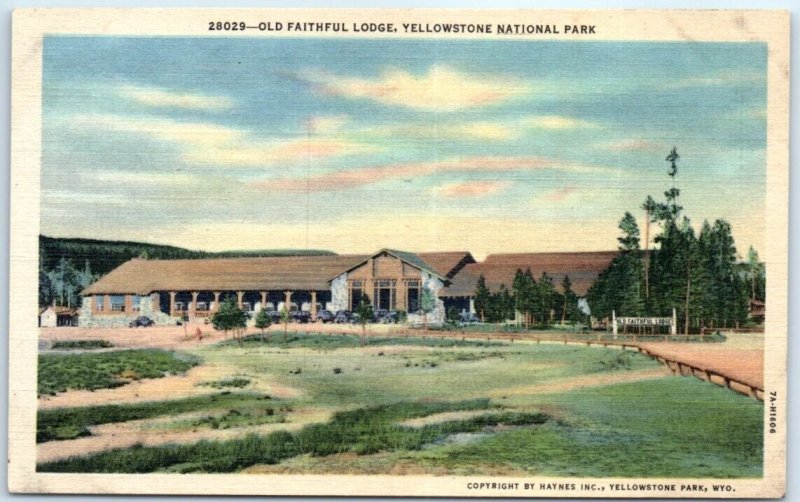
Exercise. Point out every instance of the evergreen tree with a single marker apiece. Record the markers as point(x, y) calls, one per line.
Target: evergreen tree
point(570, 306)
point(229, 317)
point(482, 298)
point(263, 321)
point(365, 313)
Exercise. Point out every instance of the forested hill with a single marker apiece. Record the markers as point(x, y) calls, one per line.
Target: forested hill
point(103, 256)
point(66, 266)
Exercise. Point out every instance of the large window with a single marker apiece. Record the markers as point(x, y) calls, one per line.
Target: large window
point(412, 295)
point(355, 292)
point(136, 303)
point(99, 302)
point(384, 294)
point(117, 303)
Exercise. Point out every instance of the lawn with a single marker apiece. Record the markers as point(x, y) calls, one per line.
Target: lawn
point(92, 371)
point(505, 407)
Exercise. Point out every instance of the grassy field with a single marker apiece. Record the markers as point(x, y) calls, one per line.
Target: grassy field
point(92, 371)
point(413, 405)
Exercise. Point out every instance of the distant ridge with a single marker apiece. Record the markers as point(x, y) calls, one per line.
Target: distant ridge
point(105, 255)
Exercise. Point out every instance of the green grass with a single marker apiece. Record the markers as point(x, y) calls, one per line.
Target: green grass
point(666, 427)
point(68, 423)
point(673, 427)
point(341, 341)
point(235, 382)
point(362, 431)
point(92, 371)
point(82, 345)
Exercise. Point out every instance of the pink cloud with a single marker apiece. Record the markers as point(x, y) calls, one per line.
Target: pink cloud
point(472, 188)
point(354, 178)
point(560, 194)
point(631, 145)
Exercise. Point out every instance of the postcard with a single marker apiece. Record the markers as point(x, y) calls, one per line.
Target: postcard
point(463, 253)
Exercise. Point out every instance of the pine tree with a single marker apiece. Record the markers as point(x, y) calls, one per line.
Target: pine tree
point(482, 298)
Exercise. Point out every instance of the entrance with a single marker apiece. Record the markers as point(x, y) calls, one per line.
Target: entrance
point(385, 294)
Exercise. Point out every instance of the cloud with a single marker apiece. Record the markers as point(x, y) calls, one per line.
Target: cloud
point(442, 89)
point(355, 178)
point(484, 130)
point(156, 97)
point(730, 79)
point(560, 194)
point(326, 124)
point(210, 144)
point(630, 145)
point(471, 188)
point(556, 122)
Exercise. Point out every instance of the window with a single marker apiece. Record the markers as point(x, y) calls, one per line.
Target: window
point(180, 306)
point(356, 291)
point(412, 295)
point(246, 307)
point(117, 303)
point(384, 294)
point(136, 302)
point(99, 302)
point(202, 306)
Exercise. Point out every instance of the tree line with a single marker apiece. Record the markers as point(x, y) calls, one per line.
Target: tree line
point(539, 303)
point(68, 265)
point(697, 274)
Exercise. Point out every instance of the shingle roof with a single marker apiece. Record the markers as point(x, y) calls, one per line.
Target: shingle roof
point(448, 263)
point(413, 259)
point(582, 269)
point(224, 274)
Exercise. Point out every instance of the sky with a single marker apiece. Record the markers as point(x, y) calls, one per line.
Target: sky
point(421, 145)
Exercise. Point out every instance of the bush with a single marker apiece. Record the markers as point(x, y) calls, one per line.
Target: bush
point(82, 345)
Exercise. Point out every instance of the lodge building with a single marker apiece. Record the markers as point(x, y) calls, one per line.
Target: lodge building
point(166, 290)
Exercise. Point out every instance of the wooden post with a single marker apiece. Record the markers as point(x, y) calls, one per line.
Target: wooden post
point(263, 300)
point(239, 299)
point(193, 304)
point(288, 301)
point(215, 308)
point(172, 302)
point(313, 304)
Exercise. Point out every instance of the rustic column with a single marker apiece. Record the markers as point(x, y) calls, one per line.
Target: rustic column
point(215, 308)
point(172, 302)
point(263, 300)
point(288, 301)
point(401, 295)
point(313, 304)
point(239, 298)
point(471, 305)
point(193, 305)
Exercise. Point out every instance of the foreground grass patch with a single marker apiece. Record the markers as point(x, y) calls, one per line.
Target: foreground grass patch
point(81, 345)
point(673, 427)
point(92, 371)
point(362, 431)
point(69, 423)
point(333, 341)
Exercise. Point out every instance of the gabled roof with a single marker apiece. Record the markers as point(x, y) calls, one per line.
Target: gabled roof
point(412, 259)
point(582, 269)
point(448, 263)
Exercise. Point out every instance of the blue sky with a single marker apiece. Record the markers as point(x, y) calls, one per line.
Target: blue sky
point(353, 145)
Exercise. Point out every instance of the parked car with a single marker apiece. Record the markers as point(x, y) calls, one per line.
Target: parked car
point(343, 317)
point(300, 316)
point(325, 316)
point(143, 321)
point(386, 316)
point(467, 319)
point(275, 316)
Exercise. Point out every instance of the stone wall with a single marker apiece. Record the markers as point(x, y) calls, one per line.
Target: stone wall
point(339, 293)
point(437, 316)
point(89, 319)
